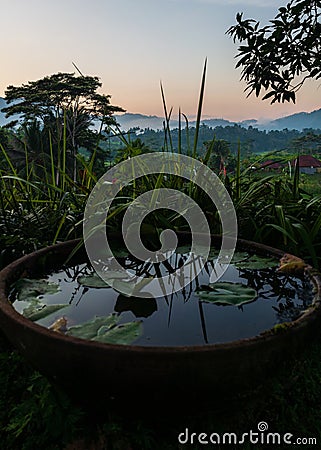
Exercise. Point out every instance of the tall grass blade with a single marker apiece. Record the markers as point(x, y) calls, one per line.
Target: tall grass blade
point(283, 231)
point(199, 111)
point(167, 118)
point(296, 178)
point(279, 214)
point(52, 160)
point(179, 148)
point(64, 150)
point(188, 143)
point(238, 172)
point(209, 151)
point(61, 223)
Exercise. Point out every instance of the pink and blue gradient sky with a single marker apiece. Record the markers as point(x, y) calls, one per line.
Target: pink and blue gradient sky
point(133, 44)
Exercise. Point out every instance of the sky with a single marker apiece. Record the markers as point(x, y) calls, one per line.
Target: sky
point(132, 45)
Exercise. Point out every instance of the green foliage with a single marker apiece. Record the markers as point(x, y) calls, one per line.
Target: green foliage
point(37, 311)
point(107, 330)
point(251, 139)
point(52, 95)
point(90, 329)
point(224, 293)
point(57, 112)
point(4, 136)
point(124, 334)
point(255, 262)
point(281, 56)
point(33, 413)
point(37, 207)
point(94, 281)
point(131, 148)
point(28, 290)
point(32, 292)
point(219, 155)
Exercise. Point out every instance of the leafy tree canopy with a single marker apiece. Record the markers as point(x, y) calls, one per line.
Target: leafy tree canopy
point(54, 94)
point(65, 106)
point(282, 55)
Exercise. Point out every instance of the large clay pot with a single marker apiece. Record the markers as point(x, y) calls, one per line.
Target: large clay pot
point(96, 373)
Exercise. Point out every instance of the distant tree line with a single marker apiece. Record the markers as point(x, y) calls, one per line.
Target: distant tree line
point(252, 140)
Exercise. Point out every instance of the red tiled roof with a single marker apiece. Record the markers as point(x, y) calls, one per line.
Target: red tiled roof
point(271, 165)
point(307, 161)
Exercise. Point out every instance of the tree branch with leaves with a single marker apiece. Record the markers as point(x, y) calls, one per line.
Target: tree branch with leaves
point(282, 55)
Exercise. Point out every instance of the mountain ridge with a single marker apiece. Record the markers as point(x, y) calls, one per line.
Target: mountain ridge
point(297, 121)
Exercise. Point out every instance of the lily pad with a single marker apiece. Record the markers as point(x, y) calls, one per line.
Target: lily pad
point(226, 293)
point(240, 256)
point(94, 281)
point(256, 262)
point(36, 311)
point(28, 289)
point(124, 334)
point(89, 330)
point(223, 256)
point(129, 288)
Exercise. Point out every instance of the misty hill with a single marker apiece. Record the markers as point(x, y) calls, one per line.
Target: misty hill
point(3, 120)
point(130, 120)
point(297, 121)
point(214, 123)
point(126, 121)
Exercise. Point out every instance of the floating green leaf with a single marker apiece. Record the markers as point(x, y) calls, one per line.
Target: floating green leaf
point(89, 330)
point(37, 311)
point(239, 256)
point(225, 293)
point(256, 262)
point(105, 329)
point(223, 256)
point(29, 290)
point(124, 334)
point(131, 288)
point(243, 260)
point(94, 281)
